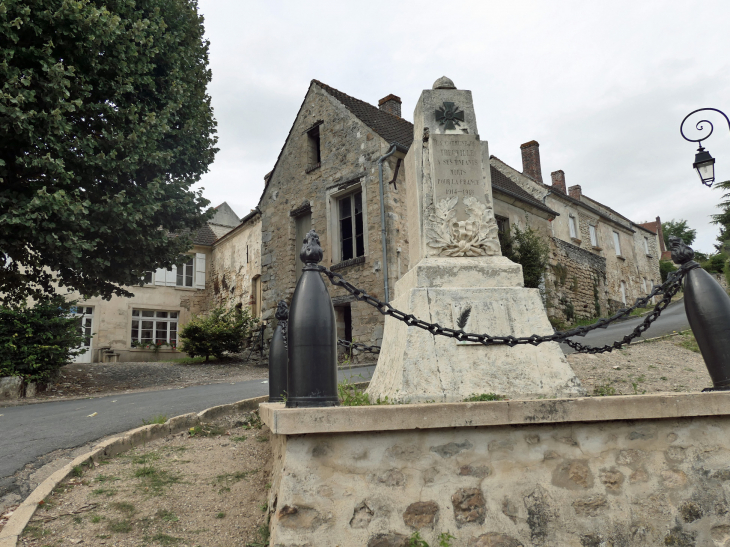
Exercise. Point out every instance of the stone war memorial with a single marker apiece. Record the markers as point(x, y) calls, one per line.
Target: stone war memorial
point(547, 466)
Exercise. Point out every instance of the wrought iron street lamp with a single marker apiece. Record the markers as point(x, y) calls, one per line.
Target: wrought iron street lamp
point(704, 163)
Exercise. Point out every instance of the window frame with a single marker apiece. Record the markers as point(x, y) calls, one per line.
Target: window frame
point(138, 316)
point(646, 246)
point(572, 227)
point(185, 275)
point(333, 214)
point(617, 242)
point(593, 234)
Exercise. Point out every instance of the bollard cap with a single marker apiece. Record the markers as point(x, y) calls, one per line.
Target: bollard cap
point(282, 311)
point(681, 253)
point(311, 252)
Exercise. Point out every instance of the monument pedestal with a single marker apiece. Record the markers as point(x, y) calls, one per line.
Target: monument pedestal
point(488, 295)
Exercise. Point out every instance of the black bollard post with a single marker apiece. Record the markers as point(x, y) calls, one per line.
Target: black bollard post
point(312, 336)
point(278, 358)
point(708, 311)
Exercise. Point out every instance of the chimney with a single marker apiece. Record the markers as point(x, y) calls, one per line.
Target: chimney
point(575, 192)
point(531, 160)
point(390, 104)
point(660, 233)
point(559, 181)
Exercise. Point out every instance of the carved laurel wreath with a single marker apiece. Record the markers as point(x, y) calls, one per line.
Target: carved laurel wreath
point(475, 236)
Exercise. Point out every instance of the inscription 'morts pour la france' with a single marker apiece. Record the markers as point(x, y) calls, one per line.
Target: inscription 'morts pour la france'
point(457, 162)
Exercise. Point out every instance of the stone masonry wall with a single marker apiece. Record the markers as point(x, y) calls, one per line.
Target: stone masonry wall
point(235, 261)
point(575, 283)
point(621, 483)
point(349, 153)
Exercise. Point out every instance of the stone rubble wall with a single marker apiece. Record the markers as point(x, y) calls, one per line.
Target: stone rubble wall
point(349, 154)
point(575, 283)
point(627, 483)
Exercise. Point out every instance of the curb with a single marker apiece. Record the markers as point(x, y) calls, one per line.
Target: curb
point(19, 519)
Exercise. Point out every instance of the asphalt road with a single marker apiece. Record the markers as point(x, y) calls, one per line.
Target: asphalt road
point(672, 319)
point(30, 431)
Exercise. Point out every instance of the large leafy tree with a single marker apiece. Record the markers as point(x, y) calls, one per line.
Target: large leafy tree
point(105, 124)
point(680, 229)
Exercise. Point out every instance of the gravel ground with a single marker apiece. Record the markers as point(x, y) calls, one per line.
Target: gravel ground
point(206, 488)
point(670, 364)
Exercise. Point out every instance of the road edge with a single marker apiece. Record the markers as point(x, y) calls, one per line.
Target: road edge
point(10, 534)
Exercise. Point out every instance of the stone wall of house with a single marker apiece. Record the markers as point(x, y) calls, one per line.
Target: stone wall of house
point(622, 483)
point(349, 154)
point(235, 262)
point(575, 283)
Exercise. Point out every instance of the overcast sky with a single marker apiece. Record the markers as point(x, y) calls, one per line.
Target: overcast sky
point(602, 87)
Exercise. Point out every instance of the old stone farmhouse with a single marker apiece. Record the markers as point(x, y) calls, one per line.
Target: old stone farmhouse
point(327, 177)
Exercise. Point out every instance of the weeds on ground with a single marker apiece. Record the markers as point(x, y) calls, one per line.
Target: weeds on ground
point(687, 341)
point(107, 478)
point(238, 439)
point(167, 516)
point(206, 430)
point(474, 397)
point(36, 532)
point(163, 539)
point(416, 540)
point(251, 421)
point(264, 536)
point(159, 419)
point(352, 395)
point(604, 390)
point(220, 515)
point(119, 526)
point(124, 507)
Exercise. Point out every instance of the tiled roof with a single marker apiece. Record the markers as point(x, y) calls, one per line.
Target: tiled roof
point(651, 226)
point(204, 236)
point(387, 125)
point(506, 185)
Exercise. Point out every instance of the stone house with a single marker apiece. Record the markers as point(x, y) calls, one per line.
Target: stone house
point(326, 178)
point(600, 260)
point(124, 329)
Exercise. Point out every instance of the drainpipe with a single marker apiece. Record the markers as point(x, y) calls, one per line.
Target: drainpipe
point(389, 153)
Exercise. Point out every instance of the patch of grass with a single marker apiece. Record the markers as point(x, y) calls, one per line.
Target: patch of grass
point(125, 507)
point(107, 478)
point(142, 459)
point(352, 395)
point(119, 526)
point(640, 311)
point(264, 507)
point(206, 430)
point(651, 366)
point(232, 478)
point(474, 397)
point(36, 532)
point(251, 421)
point(262, 438)
point(689, 369)
point(108, 492)
point(77, 520)
point(662, 377)
point(416, 540)
point(155, 480)
point(687, 341)
point(164, 539)
point(239, 439)
point(104, 536)
point(264, 536)
point(191, 361)
point(96, 519)
point(77, 471)
point(220, 515)
point(167, 516)
point(159, 419)
point(604, 390)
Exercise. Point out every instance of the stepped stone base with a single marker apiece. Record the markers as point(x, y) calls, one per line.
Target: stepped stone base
point(417, 366)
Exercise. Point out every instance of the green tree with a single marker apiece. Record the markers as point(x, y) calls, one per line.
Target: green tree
point(680, 229)
point(665, 268)
point(723, 218)
point(529, 249)
point(219, 332)
point(37, 341)
point(105, 124)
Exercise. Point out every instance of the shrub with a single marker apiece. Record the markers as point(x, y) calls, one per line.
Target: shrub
point(37, 341)
point(715, 263)
point(529, 249)
point(220, 331)
point(665, 268)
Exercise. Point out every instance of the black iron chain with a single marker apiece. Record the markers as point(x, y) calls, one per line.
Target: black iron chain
point(357, 346)
point(667, 289)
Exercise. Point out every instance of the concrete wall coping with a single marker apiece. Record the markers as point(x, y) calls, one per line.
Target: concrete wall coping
point(297, 421)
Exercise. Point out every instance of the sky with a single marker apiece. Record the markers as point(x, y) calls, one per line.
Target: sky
point(603, 87)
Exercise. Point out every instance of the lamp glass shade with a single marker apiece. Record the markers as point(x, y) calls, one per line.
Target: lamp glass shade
point(705, 166)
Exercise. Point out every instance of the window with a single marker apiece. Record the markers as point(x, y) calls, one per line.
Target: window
point(573, 229)
point(154, 327)
point(314, 149)
point(185, 274)
point(256, 296)
point(623, 292)
point(352, 239)
point(147, 279)
point(502, 224)
point(617, 244)
point(594, 237)
point(643, 284)
point(646, 245)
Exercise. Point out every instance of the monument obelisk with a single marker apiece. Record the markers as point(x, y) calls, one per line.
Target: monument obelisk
point(459, 278)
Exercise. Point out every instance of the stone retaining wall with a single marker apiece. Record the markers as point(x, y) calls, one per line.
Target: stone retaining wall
point(563, 482)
